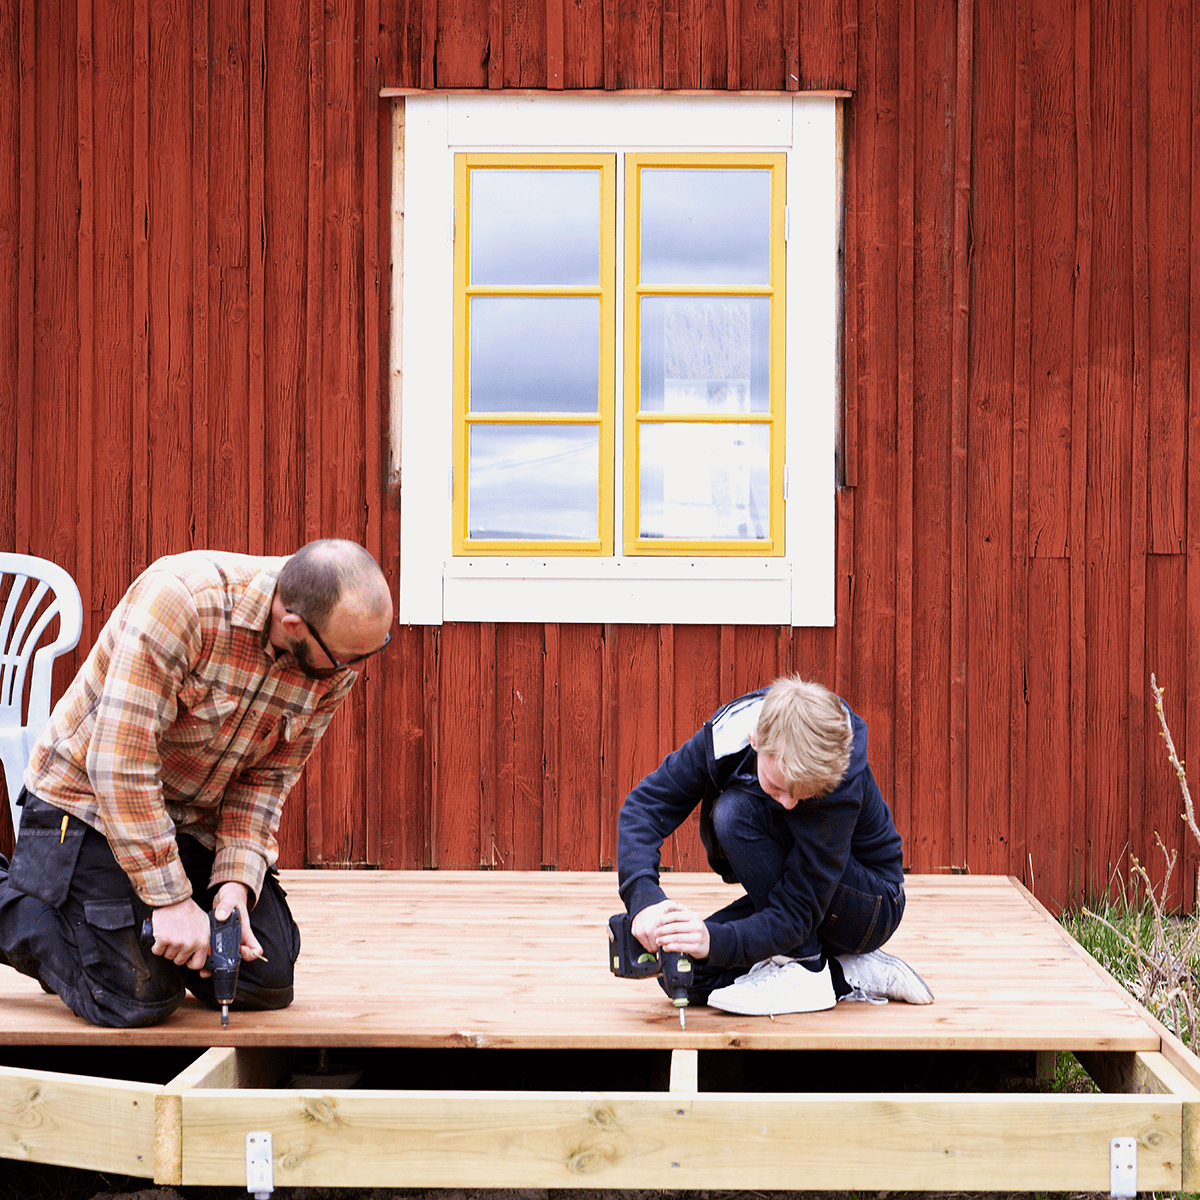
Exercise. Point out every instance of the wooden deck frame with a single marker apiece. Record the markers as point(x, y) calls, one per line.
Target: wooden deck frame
point(534, 987)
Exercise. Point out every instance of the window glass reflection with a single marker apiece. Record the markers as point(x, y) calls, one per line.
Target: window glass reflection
point(705, 354)
point(535, 354)
point(535, 227)
point(534, 482)
point(704, 481)
point(705, 226)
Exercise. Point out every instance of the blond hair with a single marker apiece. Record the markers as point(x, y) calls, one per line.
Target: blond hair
point(804, 727)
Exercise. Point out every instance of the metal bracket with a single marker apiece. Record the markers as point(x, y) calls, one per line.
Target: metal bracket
point(260, 1173)
point(1123, 1167)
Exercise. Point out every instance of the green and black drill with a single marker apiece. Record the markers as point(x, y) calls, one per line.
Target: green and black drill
point(629, 959)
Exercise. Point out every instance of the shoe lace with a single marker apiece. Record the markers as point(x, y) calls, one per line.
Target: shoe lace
point(868, 997)
point(765, 967)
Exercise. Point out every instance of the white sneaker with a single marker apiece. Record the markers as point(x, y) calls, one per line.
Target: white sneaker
point(776, 985)
point(877, 977)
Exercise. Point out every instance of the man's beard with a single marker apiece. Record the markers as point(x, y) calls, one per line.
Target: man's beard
point(303, 656)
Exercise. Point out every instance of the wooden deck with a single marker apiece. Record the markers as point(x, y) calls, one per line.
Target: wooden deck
point(496, 959)
point(436, 961)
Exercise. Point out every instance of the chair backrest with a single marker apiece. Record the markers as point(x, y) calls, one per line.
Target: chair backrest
point(33, 592)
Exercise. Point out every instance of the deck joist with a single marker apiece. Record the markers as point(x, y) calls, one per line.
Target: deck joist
point(413, 966)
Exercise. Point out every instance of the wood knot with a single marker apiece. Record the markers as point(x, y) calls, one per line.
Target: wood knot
point(604, 1117)
point(587, 1160)
point(320, 1109)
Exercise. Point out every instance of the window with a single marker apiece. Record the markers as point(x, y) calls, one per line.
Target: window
point(534, 354)
point(703, 353)
point(615, 367)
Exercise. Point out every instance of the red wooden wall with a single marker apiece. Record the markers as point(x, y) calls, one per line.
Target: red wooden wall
point(194, 264)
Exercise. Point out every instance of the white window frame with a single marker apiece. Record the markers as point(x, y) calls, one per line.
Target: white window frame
point(795, 589)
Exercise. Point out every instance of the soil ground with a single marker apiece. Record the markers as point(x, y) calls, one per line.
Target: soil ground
point(77, 1185)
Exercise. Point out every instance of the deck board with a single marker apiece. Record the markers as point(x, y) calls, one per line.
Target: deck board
point(517, 960)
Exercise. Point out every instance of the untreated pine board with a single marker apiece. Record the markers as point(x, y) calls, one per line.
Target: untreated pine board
point(629, 1140)
point(382, 955)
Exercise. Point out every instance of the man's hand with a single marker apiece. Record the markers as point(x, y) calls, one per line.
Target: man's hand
point(181, 934)
point(669, 926)
point(237, 895)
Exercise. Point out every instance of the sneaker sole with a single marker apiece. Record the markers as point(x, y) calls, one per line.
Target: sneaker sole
point(906, 971)
point(746, 1011)
point(743, 1009)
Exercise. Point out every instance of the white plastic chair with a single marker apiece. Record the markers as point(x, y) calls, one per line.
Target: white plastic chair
point(28, 611)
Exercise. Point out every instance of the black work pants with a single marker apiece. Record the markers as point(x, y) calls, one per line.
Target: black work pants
point(70, 918)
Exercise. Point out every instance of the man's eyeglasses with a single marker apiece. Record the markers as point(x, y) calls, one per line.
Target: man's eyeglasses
point(349, 662)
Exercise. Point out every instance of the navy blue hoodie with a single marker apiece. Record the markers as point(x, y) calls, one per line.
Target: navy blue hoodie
point(851, 819)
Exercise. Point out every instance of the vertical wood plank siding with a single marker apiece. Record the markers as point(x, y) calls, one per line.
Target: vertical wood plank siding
point(195, 257)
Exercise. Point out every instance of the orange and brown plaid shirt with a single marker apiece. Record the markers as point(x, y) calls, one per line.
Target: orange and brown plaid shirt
point(183, 718)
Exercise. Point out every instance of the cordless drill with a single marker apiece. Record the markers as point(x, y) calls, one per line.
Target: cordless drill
point(224, 956)
point(629, 959)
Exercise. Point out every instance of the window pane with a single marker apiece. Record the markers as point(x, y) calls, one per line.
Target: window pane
point(704, 481)
point(534, 481)
point(535, 226)
point(705, 354)
point(705, 226)
point(535, 354)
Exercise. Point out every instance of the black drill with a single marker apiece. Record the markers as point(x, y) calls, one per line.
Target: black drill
point(629, 959)
point(224, 956)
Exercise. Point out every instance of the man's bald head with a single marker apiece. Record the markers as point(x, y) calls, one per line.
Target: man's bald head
point(323, 573)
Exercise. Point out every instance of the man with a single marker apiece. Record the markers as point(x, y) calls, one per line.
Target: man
point(157, 786)
point(790, 810)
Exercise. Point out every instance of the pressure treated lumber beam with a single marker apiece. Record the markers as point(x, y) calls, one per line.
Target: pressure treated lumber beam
point(220, 1067)
point(642, 1140)
point(1141, 1072)
point(1152, 1074)
point(77, 1121)
point(685, 1070)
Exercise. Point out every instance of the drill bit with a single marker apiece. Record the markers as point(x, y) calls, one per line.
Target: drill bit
point(682, 1019)
point(224, 1016)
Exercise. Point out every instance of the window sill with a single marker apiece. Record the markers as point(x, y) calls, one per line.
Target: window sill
point(683, 591)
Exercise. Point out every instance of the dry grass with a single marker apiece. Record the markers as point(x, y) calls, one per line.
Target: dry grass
point(1152, 951)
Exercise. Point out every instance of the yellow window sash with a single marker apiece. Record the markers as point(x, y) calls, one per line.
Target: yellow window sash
point(604, 417)
point(635, 418)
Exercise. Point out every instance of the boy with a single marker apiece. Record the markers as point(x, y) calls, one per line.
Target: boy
point(790, 810)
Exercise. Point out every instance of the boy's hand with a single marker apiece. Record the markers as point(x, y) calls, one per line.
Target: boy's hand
point(667, 925)
point(684, 932)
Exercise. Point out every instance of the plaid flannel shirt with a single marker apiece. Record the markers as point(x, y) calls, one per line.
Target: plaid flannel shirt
point(183, 718)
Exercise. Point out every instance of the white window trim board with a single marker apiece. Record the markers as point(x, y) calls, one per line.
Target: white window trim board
point(797, 589)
